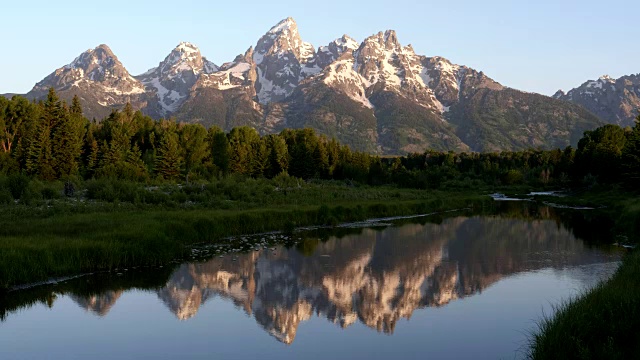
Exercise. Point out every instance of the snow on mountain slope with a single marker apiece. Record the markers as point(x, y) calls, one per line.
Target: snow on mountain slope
point(330, 53)
point(97, 68)
point(341, 75)
point(173, 78)
point(376, 95)
point(230, 75)
point(379, 63)
point(613, 100)
point(282, 61)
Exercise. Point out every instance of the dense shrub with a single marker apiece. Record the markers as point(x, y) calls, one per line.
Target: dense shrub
point(17, 184)
point(114, 190)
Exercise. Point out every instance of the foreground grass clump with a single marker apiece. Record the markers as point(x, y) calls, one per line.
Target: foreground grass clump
point(602, 324)
point(59, 239)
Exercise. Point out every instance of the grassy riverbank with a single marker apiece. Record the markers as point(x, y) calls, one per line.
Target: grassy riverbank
point(63, 237)
point(604, 323)
point(621, 208)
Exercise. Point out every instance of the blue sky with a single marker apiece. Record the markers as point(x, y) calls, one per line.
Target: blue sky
point(538, 46)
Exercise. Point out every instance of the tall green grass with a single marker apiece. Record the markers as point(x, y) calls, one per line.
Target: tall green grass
point(50, 242)
point(602, 324)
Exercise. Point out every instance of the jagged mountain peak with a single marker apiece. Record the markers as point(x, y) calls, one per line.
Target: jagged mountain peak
point(238, 74)
point(184, 57)
point(281, 39)
point(101, 56)
point(387, 40)
point(391, 39)
point(288, 24)
point(246, 57)
point(331, 52)
point(97, 66)
point(187, 47)
point(346, 37)
point(98, 78)
point(379, 92)
point(282, 60)
point(173, 78)
point(559, 94)
point(613, 100)
point(100, 49)
point(382, 58)
point(345, 43)
point(104, 47)
point(409, 49)
point(598, 83)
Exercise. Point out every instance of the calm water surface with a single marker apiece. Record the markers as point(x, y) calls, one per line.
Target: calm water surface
point(466, 287)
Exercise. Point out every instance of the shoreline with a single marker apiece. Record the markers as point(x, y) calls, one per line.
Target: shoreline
point(59, 246)
point(604, 322)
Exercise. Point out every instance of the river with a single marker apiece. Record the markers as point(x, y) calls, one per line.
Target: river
point(462, 286)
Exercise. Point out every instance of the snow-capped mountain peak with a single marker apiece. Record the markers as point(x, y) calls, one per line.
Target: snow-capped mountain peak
point(173, 78)
point(387, 40)
point(98, 68)
point(287, 24)
point(330, 53)
point(379, 92)
point(187, 48)
point(101, 56)
point(282, 39)
point(614, 100)
point(185, 57)
point(235, 74)
point(347, 42)
point(391, 40)
point(282, 60)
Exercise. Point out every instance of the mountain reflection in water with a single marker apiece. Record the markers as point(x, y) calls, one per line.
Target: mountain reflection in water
point(375, 277)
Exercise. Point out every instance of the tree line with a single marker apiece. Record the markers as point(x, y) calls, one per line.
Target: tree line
point(52, 140)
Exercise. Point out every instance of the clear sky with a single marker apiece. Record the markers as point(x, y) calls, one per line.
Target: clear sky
point(532, 45)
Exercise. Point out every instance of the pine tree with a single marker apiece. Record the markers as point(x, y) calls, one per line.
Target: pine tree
point(135, 166)
point(631, 157)
point(244, 151)
point(12, 114)
point(67, 139)
point(168, 162)
point(40, 159)
point(220, 150)
point(321, 160)
point(278, 155)
point(45, 161)
point(91, 152)
point(193, 146)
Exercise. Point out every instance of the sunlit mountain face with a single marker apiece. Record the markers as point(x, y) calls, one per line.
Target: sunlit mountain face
point(374, 94)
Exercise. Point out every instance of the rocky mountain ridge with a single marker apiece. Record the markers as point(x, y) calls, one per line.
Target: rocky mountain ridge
point(616, 101)
point(171, 81)
point(377, 96)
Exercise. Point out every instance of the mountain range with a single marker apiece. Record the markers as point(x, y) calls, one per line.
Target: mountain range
point(615, 101)
point(376, 95)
